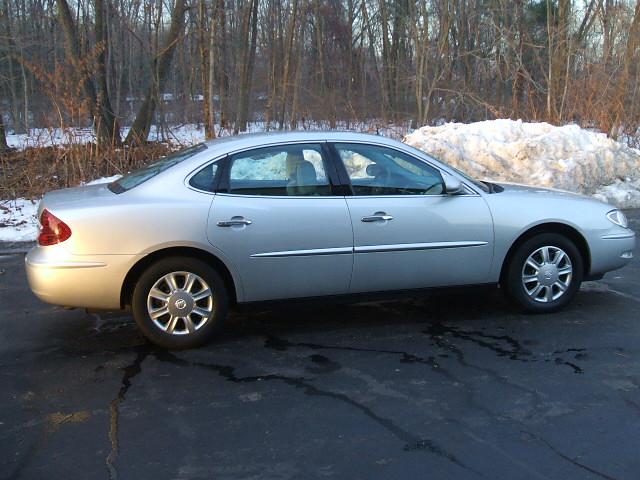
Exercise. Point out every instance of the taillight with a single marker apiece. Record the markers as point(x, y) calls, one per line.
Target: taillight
point(52, 229)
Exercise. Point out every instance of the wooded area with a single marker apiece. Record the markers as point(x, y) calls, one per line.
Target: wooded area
point(115, 63)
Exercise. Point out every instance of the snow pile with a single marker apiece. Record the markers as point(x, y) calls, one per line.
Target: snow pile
point(273, 167)
point(18, 218)
point(622, 193)
point(18, 222)
point(98, 181)
point(567, 157)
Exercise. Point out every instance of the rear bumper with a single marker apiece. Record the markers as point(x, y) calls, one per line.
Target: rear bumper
point(59, 278)
point(612, 251)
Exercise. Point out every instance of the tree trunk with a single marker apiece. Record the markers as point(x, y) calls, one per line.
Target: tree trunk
point(107, 113)
point(287, 62)
point(211, 120)
point(297, 82)
point(206, 68)
point(144, 118)
point(223, 83)
point(248, 60)
point(386, 82)
point(518, 80)
point(103, 124)
point(3, 135)
point(633, 42)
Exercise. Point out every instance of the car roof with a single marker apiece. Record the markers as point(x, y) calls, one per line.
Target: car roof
point(249, 140)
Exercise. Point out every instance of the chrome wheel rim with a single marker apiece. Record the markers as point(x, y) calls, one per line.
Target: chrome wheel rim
point(546, 274)
point(180, 303)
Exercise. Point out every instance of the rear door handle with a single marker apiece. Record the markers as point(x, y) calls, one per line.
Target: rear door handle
point(234, 222)
point(377, 217)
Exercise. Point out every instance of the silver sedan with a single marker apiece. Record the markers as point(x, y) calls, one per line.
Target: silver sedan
point(277, 216)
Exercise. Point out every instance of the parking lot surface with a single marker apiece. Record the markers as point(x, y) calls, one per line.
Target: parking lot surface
point(455, 384)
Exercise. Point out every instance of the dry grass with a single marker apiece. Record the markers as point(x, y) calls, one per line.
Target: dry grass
point(31, 172)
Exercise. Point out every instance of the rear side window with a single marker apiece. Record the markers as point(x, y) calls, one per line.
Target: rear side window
point(133, 179)
point(286, 170)
point(205, 178)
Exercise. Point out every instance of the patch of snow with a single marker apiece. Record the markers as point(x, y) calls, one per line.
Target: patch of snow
point(98, 181)
point(621, 193)
point(566, 157)
point(18, 222)
point(46, 137)
point(188, 134)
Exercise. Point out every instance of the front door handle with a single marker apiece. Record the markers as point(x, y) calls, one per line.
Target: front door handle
point(234, 222)
point(377, 217)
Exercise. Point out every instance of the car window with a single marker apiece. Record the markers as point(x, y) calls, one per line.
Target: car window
point(376, 170)
point(135, 178)
point(204, 179)
point(286, 170)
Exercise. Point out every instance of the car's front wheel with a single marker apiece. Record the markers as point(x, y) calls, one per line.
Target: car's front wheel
point(179, 302)
point(544, 273)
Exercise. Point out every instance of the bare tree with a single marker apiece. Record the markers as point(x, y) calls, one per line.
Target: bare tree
point(160, 66)
point(3, 136)
point(102, 114)
point(249, 38)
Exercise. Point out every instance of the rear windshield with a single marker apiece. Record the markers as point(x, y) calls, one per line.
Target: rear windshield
point(133, 179)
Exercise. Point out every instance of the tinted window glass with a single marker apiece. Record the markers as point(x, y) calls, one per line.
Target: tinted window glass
point(288, 170)
point(133, 179)
point(375, 170)
point(204, 179)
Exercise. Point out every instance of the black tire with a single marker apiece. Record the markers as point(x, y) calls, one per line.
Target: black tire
point(219, 304)
point(515, 287)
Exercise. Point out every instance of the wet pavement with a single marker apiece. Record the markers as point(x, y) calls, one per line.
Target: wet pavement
point(453, 384)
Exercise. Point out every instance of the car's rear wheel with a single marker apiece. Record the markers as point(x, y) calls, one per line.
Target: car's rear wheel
point(180, 302)
point(544, 273)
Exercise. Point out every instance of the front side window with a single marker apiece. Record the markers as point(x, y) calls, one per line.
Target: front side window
point(285, 170)
point(376, 170)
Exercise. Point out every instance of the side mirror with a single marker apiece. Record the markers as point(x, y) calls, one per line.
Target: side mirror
point(452, 186)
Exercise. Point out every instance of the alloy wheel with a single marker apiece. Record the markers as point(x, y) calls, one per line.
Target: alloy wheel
point(180, 303)
point(547, 274)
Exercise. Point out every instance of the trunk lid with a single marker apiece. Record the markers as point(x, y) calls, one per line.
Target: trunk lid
point(88, 195)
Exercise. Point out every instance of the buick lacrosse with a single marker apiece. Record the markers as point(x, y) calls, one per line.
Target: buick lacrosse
point(291, 215)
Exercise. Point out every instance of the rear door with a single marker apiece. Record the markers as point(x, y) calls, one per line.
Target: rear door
point(407, 232)
point(277, 219)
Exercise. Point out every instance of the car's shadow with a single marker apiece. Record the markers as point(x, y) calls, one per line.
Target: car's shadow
point(484, 308)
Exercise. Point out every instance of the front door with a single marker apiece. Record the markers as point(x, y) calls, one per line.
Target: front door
point(279, 224)
point(407, 232)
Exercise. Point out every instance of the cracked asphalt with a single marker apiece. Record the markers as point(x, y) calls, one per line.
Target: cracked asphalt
point(448, 385)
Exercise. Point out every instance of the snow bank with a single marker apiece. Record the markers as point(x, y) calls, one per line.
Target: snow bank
point(188, 134)
point(104, 180)
point(18, 222)
point(621, 193)
point(18, 218)
point(567, 157)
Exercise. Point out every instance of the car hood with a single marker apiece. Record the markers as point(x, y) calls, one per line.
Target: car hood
point(539, 193)
point(516, 188)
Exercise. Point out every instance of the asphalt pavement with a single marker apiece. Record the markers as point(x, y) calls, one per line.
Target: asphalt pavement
point(447, 385)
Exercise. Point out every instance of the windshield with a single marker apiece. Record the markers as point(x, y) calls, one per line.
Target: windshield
point(135, 178)
point(481, 185)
